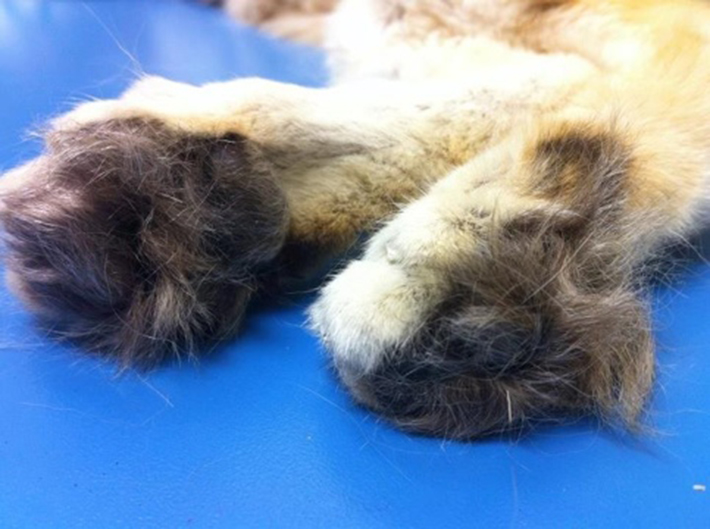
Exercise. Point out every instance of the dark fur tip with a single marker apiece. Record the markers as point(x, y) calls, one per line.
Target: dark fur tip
point(470, 376)
point(528, 335)
point(141, 242)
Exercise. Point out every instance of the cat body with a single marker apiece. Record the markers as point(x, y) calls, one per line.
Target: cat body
point(515, 162)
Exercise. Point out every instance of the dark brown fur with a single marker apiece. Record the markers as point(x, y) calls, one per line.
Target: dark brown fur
point(142, 242)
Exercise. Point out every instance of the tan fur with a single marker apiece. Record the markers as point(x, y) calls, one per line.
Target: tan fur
point(527, 155)
point(302, 20)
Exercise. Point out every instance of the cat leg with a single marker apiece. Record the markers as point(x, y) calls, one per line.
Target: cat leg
point(508, 294)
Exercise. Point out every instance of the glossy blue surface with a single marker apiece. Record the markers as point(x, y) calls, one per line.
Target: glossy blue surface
point(260, 434)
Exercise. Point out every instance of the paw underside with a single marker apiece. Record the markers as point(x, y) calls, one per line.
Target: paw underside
point(138, 241)
point(501, 347)
point(141, 242)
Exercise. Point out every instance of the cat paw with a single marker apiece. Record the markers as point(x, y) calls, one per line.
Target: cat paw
point(514, 332)
point(136, 239)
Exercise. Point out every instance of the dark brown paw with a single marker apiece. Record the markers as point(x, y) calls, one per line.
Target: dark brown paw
point(547, 326)
point(141, 242)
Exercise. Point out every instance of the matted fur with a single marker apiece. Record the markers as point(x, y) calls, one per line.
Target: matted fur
point(140, 242)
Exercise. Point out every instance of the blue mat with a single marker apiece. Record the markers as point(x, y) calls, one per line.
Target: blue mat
point(260, 434)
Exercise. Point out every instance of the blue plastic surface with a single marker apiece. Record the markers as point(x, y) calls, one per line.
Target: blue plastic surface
point(260, 434)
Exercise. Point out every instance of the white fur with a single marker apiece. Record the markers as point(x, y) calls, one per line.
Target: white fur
point(370, 308)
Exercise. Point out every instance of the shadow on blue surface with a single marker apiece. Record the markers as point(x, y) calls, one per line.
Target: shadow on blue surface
point(260, 434)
